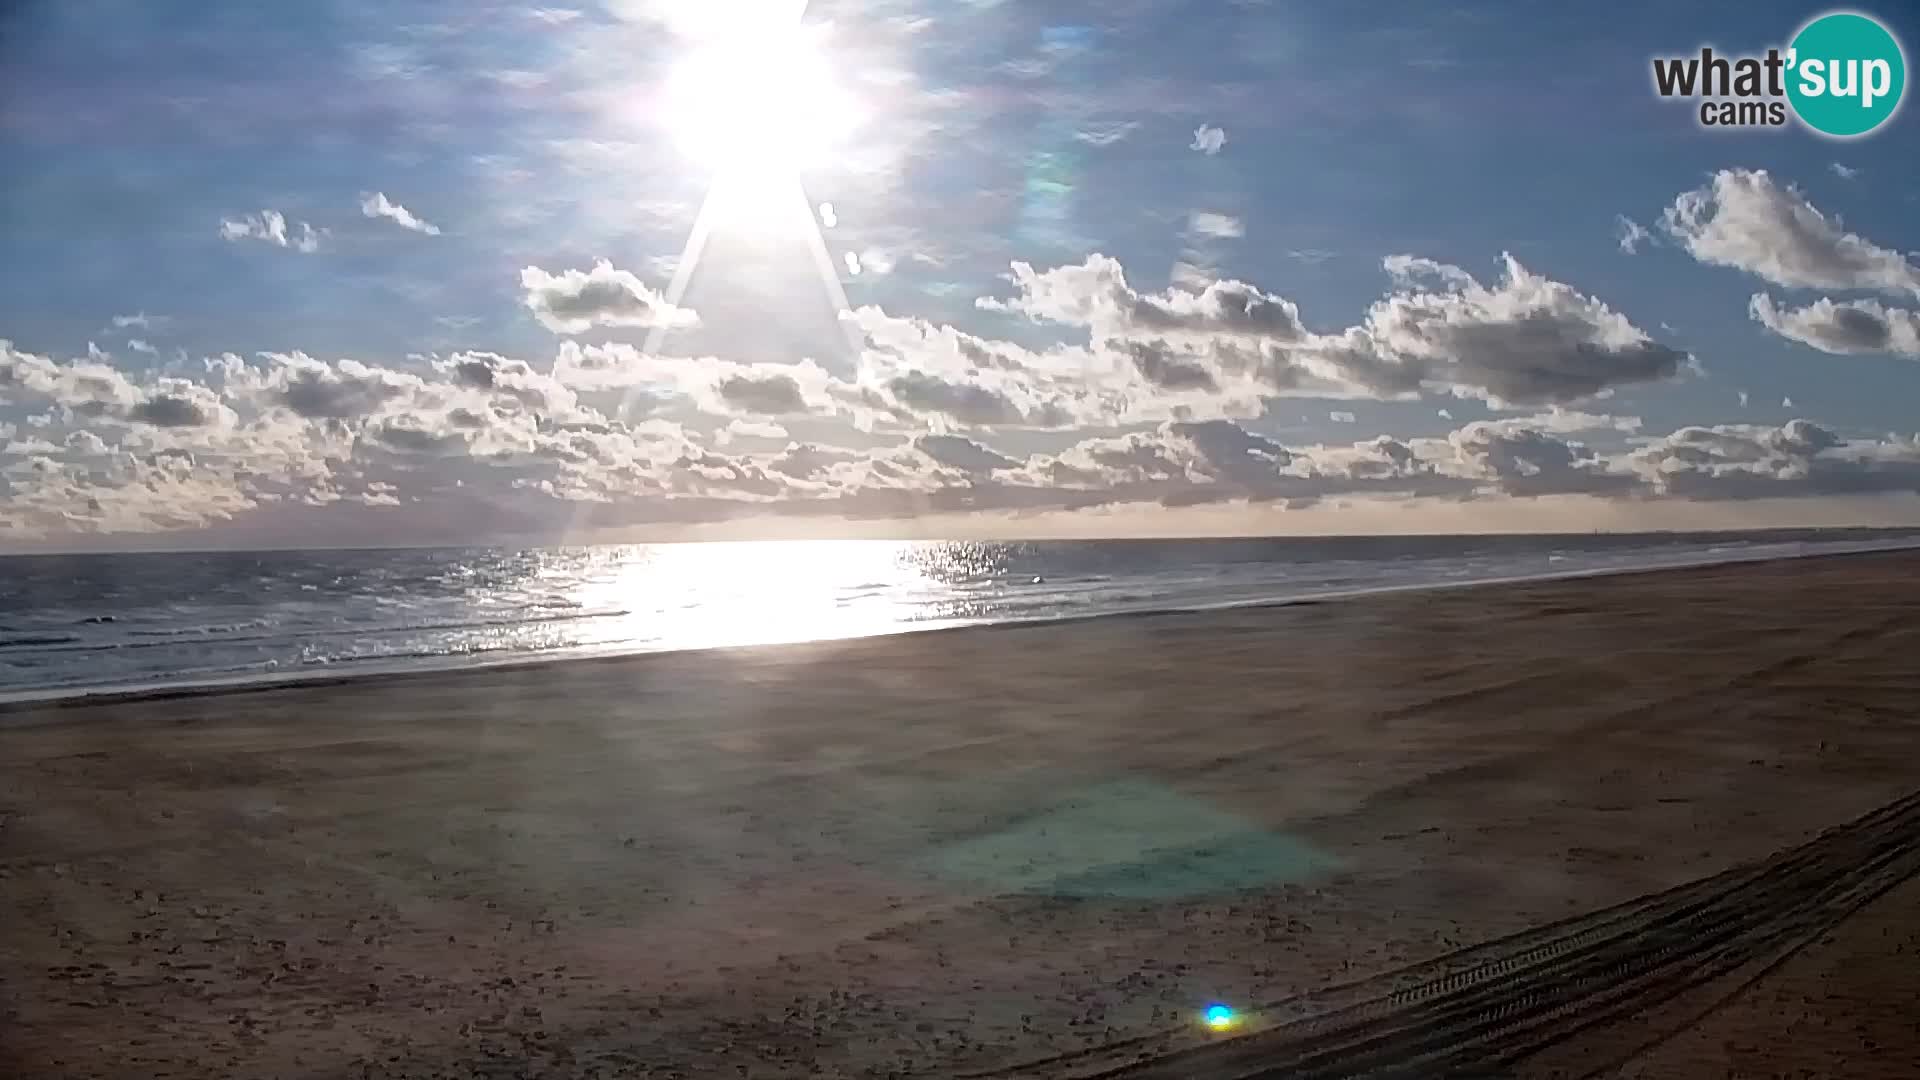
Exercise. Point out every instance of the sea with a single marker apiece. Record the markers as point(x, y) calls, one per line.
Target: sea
point(73, 624)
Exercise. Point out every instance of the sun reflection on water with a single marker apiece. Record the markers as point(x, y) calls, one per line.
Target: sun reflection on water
point(761, 593)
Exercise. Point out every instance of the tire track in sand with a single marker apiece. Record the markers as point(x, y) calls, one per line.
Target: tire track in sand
point(1488, 1007)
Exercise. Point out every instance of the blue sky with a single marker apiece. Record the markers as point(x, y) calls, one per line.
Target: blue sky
point(334, 272)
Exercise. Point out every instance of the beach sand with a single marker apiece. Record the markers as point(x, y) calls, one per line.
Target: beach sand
point(953, 851)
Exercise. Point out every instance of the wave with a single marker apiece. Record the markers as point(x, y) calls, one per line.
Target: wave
point(263, 670)
point(36, 639)
point(189, 631)
point(174, 638)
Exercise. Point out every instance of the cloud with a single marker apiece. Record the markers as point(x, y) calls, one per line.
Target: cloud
point(1855, 326)
point(1216, 226)
point(1412, 271)
point(1843, 172)
point(1630, 234)
point(93, 390)
point(271, 226)
point(1798, 458)
point(914, 372)
point(807, 461)
point(179, 404)
point(1523, 458)
point(574, 301)
point(1163, 391)
point(1106, 133)
point(1167, 369)
point(600, 367)
point(86, 443)
point(1526, 340)
point(1564, 421)
point(377, 205)
point(964, 454)
point(1184, 464)
point(1744, 220)
point(140, 345)
point(1208, 140)
point(1095, 294)
point(475, 443)
point(765, 395)
point(737, 429)
point(86, 387)
point(708, 385)
point(873, 260)
point(347, 390)
point(509, 381)
point(962, 402)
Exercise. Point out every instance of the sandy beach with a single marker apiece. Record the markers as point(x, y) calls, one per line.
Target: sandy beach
point(962, 851)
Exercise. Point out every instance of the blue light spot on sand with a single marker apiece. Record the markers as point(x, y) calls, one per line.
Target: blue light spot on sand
point(1219, 1017)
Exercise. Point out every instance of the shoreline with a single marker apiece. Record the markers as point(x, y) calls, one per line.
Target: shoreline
point(548, 543)
point(12, 703)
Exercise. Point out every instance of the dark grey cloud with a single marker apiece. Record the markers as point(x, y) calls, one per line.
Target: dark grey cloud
point(1158, 364)
point(975, 406)
point(1232, 451)
point(417, 435)
point(764, 395)
point(172, 410)
point(964, 454)
point(1528, 340)
point(1857, 326)
point(319, 391)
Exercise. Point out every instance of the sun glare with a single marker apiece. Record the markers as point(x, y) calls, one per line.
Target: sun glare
point(762, 100)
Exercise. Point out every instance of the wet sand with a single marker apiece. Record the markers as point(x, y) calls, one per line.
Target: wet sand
point(954, 851)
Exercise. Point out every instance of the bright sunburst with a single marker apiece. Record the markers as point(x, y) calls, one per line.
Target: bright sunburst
point(759, 100)
point(754, 100)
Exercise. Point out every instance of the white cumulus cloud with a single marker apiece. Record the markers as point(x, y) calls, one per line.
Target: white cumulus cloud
point(272, 227)
point(1216, 226)
point(1745, 220)
point(377, 205)
point(1629, 234)
point(574, 301)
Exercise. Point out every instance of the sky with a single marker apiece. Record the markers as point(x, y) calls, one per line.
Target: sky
point(435, 271)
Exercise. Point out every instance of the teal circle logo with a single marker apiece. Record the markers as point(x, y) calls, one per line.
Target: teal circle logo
point(1846, 74)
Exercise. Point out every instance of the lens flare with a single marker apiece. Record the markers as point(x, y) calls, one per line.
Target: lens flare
point(1220, 1018)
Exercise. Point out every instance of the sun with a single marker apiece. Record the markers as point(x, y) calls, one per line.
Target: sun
point(759, 103)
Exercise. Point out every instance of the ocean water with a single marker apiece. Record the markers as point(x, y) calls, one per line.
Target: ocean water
point(75, 623)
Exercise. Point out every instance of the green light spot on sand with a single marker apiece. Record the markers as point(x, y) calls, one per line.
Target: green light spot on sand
point(1131, 840)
